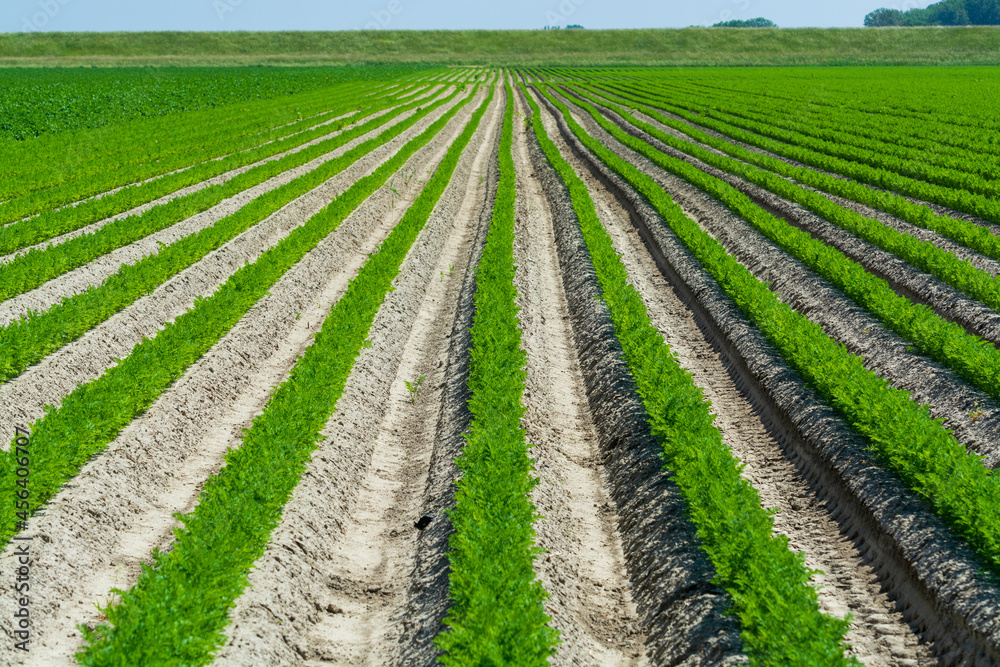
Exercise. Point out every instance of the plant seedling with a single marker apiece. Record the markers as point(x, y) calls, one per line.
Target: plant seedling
point(414, 388)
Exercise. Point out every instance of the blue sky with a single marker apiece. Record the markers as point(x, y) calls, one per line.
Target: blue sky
point(106, 15)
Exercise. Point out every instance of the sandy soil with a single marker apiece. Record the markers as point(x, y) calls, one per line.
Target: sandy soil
point(584, 567)
point(336, 575)
point(110, 517)
point(95, 272)
point(879, 635)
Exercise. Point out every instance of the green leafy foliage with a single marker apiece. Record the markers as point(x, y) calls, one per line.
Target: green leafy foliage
point(901, 433)
point(39, 101)
point(974, 359)
point(178, 609)
point(496, 617)
point(241, 505)
point(60, 446)
point(29, 339)
point(769, 584)
point(38, 265)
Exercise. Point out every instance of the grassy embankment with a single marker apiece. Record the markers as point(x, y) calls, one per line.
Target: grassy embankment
point(686, 47)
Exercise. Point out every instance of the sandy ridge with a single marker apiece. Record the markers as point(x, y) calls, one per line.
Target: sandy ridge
point(107, 519)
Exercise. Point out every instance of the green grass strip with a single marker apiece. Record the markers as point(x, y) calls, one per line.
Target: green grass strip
point(924, 454)
point(178, 609)
point(496, 615)
point(769, 584)
point(39, 265)
point(972, 358)
point(29, 339)
point(91, 416)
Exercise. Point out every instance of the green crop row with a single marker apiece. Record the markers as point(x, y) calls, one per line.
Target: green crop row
point(769, 584)
point(922, 254)
point(202, 151)
point(59, 221)
point(30, 338)
point(36, 101)
point(902, 434)
point(130, 158)
point(106, 405)
point(177, 611)
point(496, 615)
point(39, 265)
point(974, 359)
point(934, 140)
point(795, 147)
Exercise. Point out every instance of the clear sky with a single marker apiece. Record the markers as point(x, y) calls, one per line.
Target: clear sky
point(109, 15)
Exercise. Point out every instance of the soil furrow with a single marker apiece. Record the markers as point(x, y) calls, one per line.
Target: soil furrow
point(905, 279)
point(93, 273)
point(973, 415)
point(682, 613)
point(99, 529)
point(933, 576)
point(583, 569)
point(338, 567)
point(22, 400)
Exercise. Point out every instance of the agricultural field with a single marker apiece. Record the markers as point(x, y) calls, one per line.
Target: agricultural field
point(483, 366)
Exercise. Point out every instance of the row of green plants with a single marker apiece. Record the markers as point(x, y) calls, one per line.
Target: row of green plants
point(55, 221)
point(39, 101)
point(30, 338)
point(974, 359)
point(135, 156)
point(497, 615)
point(900, 433)
point(197, 149)
point(39, 265)
point(177, 611)
point(843, 145)
point(935, 140)
point(802, 149)
point(944, 265)
point(858, 130)
point(942, 97)
point(109, 403)
point(768, 583)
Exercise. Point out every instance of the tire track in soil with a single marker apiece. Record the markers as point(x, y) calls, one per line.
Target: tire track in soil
point(879, 635)
point(973, 415)
point(107, 520)
point(23, 398)
point(907, 280)
point(337, 573)
point(583, 569)
point(96, 271)
point(982, 262)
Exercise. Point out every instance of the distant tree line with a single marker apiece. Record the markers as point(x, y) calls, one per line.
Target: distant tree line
point(948, 12)
point(758, 22)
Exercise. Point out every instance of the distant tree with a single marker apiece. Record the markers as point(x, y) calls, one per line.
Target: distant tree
point(758, 22)
point(574, 26)
point(883, 17)
point(948, 12)
point(983, 12)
